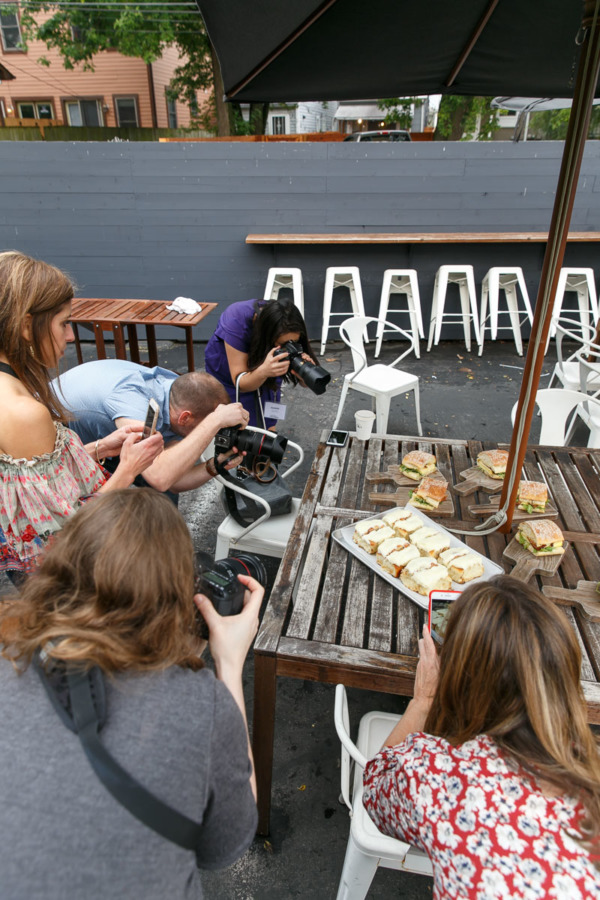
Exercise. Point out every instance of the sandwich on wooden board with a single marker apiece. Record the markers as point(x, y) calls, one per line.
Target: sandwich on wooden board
point(432, 491)
point(493, 463)
point(417, 464)
point(542, 537)
point(532, 496)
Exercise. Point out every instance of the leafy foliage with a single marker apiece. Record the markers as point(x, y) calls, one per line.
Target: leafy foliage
point(399, 111)
point(465, 118)
point(551, 125)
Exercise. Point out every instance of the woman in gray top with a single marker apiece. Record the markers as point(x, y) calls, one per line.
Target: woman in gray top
point(115, 591)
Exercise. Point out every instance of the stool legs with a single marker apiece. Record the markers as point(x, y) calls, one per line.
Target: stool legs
point(507, 280)
point(334, 278)
point(401, 281)
point(462, 276)
point(582, 282)
point(285, 278)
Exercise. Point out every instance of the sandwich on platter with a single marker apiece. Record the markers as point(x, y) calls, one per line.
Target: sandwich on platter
point(403, 522)
point(542, 537)
point(395, 553)
point(417, 464)
point(432, 491)
point(424, 575)
point(462, 565)
point(493, 463)
point(532, 496)
point(430, 541)
point(370, 533)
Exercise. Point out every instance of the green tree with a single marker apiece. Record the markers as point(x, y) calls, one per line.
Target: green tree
point(80, 32)
point(463, 118)
point(551, 125)
point(399, 111)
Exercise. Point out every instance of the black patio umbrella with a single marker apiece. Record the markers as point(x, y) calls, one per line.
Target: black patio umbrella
point(273, 50)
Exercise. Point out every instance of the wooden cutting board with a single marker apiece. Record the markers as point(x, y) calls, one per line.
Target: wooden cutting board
point(395, 476)
point(476, 480)
point(488, 509)
point(401, 496)
point(527, 565)
point(584, 597)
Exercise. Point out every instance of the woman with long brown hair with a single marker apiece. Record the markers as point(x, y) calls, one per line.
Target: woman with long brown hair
point(115, 589)
point(493, 770)
point(46, 471)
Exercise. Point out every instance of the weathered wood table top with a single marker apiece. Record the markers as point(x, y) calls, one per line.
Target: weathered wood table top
point(331, 619)
point(113, 315)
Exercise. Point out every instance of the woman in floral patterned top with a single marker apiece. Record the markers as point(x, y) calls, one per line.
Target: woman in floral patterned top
point(493, 770)
point(46, 471)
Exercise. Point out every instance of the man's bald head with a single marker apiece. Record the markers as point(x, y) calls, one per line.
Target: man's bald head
point(196, 393)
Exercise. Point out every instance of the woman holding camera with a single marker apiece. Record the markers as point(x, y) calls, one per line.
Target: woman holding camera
point(112, 593)
point(245, 348)
point(493, 770)
point(46, 471)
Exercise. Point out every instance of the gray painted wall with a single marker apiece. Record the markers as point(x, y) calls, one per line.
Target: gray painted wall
point(161, 220)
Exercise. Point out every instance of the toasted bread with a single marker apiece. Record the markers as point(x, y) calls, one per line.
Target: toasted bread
point(417, 464)
point(542, 537)
point(493, 463)
point(532, 496)
point(431, 492)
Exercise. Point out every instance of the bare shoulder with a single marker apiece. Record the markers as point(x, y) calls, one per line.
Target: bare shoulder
point(27, 428)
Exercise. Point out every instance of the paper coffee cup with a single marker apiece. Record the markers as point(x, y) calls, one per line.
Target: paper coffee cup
point(364, 424)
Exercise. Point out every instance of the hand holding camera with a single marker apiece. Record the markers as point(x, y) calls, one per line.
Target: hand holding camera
point(306, 371)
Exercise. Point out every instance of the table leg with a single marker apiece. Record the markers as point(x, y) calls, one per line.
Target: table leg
point(189, 342)
point(77, 344)
point(263, 729)
point(151, 338)
point(134, 349)
point(120, 351)
point(99, 337)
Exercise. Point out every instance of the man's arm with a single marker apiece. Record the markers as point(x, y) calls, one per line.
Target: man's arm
point(177, 468)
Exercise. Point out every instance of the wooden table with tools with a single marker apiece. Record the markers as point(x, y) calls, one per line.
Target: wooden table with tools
point(331, 619)
point(114, 315)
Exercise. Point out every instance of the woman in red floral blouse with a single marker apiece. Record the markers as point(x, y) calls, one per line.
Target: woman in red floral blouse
point(493, 770)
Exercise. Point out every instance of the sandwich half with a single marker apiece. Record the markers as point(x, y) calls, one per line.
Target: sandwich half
point(493, 463)
point(424, 575)
point(532, 496)
point(395, 553)
point(432, 491)
point(417, 464)
point(370, 533)
point(462, 565)
point(430, 541)
point(542, 537)
point(403, 522)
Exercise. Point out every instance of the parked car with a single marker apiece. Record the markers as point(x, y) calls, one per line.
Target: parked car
point(379, 136)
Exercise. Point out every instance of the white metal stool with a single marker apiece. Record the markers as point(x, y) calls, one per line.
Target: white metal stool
point(504, 279)
point(465, 279)
point(285, 278)
point(404, 282)
point(348, 276)
point(583, 283)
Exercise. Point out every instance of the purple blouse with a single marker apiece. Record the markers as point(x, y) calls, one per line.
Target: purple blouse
point(235, 328)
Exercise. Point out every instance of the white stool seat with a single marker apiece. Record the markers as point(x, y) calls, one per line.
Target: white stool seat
point(335, 277)
point(405, 283)
point(285, 278)
point(504, 279)
point(270, 538)
point(464, 277)
point(583, 283)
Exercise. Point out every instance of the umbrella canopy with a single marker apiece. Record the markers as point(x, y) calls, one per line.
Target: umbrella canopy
point(349, 50)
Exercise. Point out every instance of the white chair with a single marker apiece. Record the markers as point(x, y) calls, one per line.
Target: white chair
point(403, 282)
point(556, 407)
point(335, 277)
point(367, 847)
point(566, 369)
point(582, 282)
point(381, 382)
point(285, 278)
point(267, 535)
point(504, 279)
point(464, 277)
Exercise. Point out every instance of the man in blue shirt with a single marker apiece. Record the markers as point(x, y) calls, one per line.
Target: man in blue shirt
point(107, 393)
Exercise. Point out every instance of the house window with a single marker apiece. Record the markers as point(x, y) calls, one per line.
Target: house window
point(127, 112)
point(278, 124)
point(35, 110)
point(172, 113)
point(84, 112)
point(10, 31)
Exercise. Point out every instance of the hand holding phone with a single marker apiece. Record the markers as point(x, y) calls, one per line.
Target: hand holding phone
point(151, 418)
point(440, 603)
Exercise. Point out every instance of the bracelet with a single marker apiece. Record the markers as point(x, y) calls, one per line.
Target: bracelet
point(97, 452)
point(211, 468)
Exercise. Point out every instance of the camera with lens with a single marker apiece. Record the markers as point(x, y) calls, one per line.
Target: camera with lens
point(218, 580)
point(314, 377)
point(253, 442)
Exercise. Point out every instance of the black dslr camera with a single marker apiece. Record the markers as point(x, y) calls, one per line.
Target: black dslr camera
point(218, 580)
point(253, 442)
point(314, 377)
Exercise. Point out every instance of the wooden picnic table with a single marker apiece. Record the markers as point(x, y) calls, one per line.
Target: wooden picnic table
point(112, 315)
point(427, 237)
point(331, 619)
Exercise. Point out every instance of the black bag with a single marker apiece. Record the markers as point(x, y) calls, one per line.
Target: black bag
point(243, 510)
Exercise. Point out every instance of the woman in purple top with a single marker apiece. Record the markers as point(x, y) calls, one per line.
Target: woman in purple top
point(245, 344)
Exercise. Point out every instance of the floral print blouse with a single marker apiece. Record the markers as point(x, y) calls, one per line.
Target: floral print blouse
point(38, 494)
point(490, 832)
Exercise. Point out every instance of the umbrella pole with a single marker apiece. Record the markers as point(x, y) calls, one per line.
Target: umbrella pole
point(579, 120)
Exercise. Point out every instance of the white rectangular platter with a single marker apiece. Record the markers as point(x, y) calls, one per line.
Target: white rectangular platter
point(344, 537)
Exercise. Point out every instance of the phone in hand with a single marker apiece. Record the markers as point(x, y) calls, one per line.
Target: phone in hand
point(440, 603)
point(151, 418)
point(337, 439)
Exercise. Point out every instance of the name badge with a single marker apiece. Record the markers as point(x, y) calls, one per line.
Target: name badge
point(274, 410)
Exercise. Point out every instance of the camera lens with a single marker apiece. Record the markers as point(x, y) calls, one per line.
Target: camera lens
point(314, 377)
point(256, 444)
point(243, 564)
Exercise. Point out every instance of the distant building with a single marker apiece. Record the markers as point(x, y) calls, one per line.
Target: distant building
point(302, 118)
point(365, 115)
point(121, 91)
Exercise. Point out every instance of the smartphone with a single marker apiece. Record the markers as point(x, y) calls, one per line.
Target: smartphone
point(440, 603)
point(337, 439)
point(151, 418)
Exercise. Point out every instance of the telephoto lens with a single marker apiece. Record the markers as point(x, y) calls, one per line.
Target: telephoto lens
point(314, 377)
point(254, 443)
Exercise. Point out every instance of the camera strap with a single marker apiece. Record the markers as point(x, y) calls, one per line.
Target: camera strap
point(260, 416)
point(8, 370)
point(79, 698)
